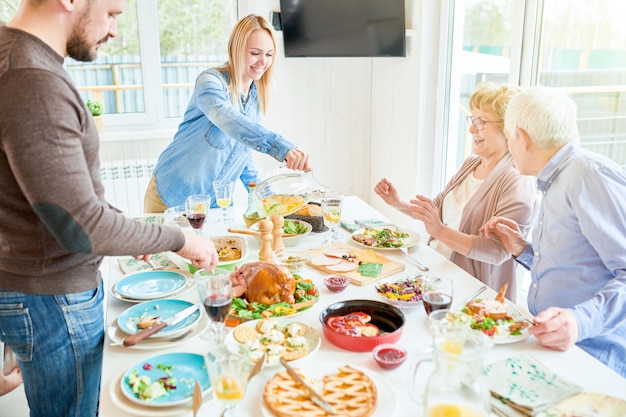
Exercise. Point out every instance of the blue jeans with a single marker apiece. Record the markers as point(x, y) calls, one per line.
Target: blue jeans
point(58, 341)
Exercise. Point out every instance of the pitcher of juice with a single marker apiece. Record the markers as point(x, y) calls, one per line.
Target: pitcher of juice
point(458, 386)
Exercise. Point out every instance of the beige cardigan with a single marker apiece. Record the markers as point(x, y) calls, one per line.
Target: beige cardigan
point(503, 193)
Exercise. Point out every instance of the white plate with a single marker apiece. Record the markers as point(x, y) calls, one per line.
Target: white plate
point(117, 337)
point(503, 337)
point(313, 339)
point(589, 404)
point(408, 242)
point(164, 309)
point(386, 398)
point(117, 295)
point(124, 404)
point(150, 285)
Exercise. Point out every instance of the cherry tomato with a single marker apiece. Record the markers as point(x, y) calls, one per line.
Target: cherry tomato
point(313, 291)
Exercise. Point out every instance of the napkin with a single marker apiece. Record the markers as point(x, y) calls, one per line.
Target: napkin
point(523, 386)
point(130, 264)
point(352, 227)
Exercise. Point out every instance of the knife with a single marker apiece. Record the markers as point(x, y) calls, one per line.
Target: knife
point(149, 331)
point(315, 397)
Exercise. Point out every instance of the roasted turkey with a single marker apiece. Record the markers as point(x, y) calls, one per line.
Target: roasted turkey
point(264, 283)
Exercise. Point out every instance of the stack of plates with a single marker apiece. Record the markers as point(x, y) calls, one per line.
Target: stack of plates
point(150, 285)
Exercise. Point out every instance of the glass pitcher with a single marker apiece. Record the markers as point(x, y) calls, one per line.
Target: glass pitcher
point(458, 386)
point(285, 194)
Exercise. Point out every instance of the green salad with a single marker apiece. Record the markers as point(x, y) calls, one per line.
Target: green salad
point(294, 227)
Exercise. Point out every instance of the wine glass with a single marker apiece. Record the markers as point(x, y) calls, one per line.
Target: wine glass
point(224, 197)
point(331, 205)
point(229, 373)
point(216, 294)
point(197, 208)
point(437, 293)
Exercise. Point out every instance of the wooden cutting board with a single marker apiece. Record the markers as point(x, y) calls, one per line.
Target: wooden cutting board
point(389, 267)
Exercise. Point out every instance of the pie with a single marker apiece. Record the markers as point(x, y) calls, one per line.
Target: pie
point(349, 391)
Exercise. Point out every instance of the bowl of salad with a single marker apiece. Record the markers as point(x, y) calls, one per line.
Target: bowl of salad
point(293, 231)
point(404, 293)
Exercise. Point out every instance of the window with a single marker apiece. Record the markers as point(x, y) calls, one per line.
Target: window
point(577, 45)
point(583, 51)
point(146, 74)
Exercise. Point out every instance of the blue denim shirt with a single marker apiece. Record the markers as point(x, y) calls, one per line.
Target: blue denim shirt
point(214, 142)
point(578, 255)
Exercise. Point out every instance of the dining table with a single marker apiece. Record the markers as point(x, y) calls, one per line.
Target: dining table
point(398, 389)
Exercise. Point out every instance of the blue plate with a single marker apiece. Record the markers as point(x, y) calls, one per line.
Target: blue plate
point(164, 309)
point(187, 368)
point(150, 285)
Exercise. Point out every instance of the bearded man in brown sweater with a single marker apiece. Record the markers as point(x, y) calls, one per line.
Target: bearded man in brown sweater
point(55, 225)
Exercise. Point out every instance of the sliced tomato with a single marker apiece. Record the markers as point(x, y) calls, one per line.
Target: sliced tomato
point(335, 322)
point(358, 316)
point(490, 332)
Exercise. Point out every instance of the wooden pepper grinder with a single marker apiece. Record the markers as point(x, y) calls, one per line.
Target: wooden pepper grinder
point(266, 252)
point(277, 244)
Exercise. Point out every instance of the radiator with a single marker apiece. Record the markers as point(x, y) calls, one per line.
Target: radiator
point(125, 183)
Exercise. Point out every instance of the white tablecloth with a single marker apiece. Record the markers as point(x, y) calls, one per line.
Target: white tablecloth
point(574, 365)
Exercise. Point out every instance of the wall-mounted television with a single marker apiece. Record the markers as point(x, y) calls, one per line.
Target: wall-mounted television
point(343, 28)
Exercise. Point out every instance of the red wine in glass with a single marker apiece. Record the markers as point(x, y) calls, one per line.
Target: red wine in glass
point(217, 307)
point(196, 220)
point(434, 300)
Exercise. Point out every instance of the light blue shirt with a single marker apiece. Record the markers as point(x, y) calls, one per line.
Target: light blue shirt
point(578, 255)
point(214, 142)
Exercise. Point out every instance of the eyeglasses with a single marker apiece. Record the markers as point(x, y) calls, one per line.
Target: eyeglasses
point(479, 123)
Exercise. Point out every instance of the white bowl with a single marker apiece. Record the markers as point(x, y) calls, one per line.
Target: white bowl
point(221, 242)
point(290, 240)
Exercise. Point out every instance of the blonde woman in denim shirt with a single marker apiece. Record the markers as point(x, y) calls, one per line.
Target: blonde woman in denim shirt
point(221, 124)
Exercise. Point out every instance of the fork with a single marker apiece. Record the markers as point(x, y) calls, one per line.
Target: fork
point(421, 266)
point(154, 266)
point(517, 315)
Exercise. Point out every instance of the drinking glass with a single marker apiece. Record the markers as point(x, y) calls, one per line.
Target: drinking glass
point(216, 294)
point(224, 197)
point(331, 204)
point(229, 373)
point(197, 207)
point(437, 293)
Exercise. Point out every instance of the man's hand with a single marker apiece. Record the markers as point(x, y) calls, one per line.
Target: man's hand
point(297, 159)
point(508, 232)
point(200, 250)
point(556, 328)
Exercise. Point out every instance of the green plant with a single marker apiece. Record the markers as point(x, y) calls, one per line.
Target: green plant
point(95, 108)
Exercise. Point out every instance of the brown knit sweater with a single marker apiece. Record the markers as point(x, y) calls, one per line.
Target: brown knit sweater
point(55, 225)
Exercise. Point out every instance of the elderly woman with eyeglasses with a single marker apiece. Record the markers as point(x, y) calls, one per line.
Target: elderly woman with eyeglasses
point(486, 185)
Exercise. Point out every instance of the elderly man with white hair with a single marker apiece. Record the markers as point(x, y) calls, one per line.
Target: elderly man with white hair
point(577, 257)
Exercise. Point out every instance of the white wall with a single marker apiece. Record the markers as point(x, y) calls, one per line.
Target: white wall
point(362, 119)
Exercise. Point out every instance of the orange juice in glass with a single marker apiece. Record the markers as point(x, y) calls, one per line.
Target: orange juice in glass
point(455, 410)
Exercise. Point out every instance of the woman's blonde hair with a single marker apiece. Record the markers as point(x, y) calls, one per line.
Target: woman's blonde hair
point(236, 65)
point(493, 98)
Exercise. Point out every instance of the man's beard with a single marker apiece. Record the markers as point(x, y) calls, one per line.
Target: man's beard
point(77, 47)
